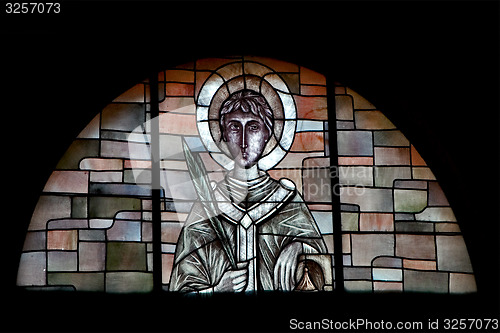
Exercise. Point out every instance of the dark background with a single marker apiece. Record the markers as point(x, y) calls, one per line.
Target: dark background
point(431, 67)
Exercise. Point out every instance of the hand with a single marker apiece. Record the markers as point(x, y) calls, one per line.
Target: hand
point(235, 280)
point(286, 265)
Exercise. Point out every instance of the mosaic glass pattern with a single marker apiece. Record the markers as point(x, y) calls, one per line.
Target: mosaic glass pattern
point(399, 232)
point(189, 113)
point(92, 229)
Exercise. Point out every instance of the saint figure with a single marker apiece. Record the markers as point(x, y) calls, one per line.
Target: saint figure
point(266, 223)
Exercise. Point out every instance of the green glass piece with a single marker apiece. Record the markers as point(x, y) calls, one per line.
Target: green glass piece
point(421, 281)
point(122, 117)
point(79, 207)
point(129, 282)
point(123, 256)
point(344, 107)
point(372, 120)
point(107, 207)
point(390, 138)
point(80, 281)
point(62, 261)
point(409, 201)
point(78, 150)
point(317, 185)
point(349, 221)
point(385, 176)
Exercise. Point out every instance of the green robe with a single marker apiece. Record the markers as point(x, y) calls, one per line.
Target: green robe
point(278, 215)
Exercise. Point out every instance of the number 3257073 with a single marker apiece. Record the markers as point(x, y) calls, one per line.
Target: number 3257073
point(32, 7)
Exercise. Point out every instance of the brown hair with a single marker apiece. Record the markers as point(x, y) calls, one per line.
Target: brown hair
point(248, 101)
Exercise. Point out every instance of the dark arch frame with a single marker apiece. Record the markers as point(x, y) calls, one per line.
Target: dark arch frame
point(373, 74)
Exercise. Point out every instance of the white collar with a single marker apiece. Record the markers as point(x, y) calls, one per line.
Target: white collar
point(260, 210)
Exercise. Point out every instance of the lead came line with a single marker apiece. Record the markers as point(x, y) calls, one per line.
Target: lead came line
point(155, 183)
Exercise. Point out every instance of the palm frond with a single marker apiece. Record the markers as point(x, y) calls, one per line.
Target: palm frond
point(204, 190)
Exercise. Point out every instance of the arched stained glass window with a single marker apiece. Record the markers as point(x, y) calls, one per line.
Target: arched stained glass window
point(243, 165)
point(399, 232)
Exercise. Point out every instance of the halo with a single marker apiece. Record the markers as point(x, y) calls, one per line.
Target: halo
point(261, 79)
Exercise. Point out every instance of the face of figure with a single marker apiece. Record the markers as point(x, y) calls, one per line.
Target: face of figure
point(246, 136)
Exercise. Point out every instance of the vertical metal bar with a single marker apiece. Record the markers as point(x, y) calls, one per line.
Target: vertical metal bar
point(155, 182)
point(334, 164)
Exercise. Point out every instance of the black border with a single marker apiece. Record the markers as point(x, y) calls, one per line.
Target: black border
point(431, 66)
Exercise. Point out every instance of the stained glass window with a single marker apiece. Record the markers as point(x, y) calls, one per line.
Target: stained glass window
point(399, 231)
point(158, 179)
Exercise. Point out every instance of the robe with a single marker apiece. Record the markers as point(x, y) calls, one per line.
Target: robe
point(260, 218)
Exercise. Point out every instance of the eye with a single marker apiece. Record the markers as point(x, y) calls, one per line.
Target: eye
point(254, 127)
point(234, 127)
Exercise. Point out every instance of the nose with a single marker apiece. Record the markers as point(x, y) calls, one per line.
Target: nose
point(244, 144)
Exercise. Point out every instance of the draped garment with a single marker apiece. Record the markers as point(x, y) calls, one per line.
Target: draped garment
point(271, 214)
